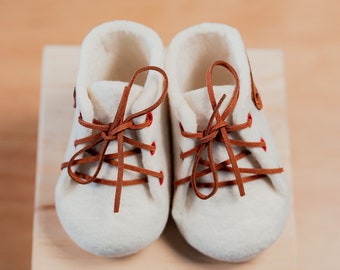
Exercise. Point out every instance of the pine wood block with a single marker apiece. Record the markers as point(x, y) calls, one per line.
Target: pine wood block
point(52, 249)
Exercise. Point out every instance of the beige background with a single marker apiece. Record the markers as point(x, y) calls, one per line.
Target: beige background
point(307, 31)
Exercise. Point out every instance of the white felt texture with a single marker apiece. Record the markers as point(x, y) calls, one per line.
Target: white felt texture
point(110, 54)
point(226, 227)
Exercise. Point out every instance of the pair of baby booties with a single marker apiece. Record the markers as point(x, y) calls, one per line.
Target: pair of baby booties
point(230, 197)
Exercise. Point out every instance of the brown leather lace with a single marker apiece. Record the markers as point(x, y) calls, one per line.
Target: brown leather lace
point(105, 133)
point(217, 130)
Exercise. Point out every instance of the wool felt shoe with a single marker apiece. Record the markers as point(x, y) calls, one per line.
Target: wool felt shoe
point(112, 197)
point(231, 198)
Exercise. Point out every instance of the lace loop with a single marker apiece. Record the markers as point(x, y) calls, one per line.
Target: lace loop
point(217, 130)
point(105, 133)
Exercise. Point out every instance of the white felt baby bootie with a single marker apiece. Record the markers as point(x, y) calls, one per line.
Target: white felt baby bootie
point(231, 198)
point(112, 197)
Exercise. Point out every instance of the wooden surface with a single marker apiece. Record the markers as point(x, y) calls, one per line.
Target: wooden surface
point(306, 30)
point(52, 248)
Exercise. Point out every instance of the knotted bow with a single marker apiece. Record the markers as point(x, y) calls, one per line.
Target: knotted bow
point(105, 133)
point(217, 130)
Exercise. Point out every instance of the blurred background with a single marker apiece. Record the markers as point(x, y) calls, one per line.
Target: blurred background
point(308, 32)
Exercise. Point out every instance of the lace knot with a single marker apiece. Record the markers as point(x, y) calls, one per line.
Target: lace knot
point(111, 133)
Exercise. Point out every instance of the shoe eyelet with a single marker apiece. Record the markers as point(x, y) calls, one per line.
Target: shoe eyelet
point(250, 120)
point(153, 144)
point(149, 119)
point(181, 155)
point(264, 147)
point(161, 180)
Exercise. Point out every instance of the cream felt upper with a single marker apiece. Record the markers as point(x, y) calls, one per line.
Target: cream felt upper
point(226, 226)
point(110, 54)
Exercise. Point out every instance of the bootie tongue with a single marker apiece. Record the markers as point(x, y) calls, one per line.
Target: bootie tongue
point(106, 97)
point(199, 102)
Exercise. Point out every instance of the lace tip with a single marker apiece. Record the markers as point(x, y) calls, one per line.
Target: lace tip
point(116, 209)
point(241, 189)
